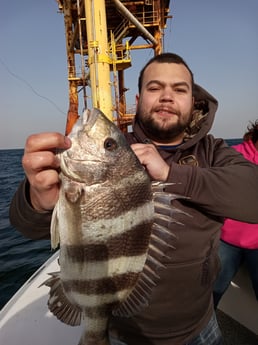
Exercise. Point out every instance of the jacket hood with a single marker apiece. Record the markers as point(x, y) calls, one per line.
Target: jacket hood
point(205, 107)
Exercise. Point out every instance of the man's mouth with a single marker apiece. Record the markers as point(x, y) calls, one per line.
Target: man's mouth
point(166, 111)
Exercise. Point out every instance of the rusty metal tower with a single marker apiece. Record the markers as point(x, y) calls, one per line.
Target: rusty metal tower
point(100, 35)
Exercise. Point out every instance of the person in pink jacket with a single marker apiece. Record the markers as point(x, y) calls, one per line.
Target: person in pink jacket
point(239, 241)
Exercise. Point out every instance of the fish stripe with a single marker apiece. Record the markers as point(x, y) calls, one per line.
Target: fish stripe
point(116, 197)
point(125, 244)
point(99, 311)
point(86, 301)
point(103, 229)
point(100, 269)
point(96, 330)
point(102, 286)
point(100, 231)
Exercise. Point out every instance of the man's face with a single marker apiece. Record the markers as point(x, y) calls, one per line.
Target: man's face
point(164, 106)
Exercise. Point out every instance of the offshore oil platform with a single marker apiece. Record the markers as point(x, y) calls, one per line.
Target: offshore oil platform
point(100, 35)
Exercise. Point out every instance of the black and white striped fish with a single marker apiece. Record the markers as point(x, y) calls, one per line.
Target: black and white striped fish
point(111, 239)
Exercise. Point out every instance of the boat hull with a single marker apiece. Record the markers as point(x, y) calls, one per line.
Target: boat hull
point(25, 319)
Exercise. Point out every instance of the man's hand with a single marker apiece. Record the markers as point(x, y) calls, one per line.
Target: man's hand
point(155, 165)
point(41, 167)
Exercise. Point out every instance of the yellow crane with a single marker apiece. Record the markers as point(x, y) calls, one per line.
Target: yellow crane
point(100, 35)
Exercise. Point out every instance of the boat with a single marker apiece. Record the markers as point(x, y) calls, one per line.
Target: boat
point(25, 319)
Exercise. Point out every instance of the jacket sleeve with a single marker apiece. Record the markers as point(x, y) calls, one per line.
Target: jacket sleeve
point(32, 224)
point(228, 187)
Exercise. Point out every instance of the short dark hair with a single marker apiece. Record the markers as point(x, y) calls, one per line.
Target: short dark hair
point(252, 132)
point(164, 58)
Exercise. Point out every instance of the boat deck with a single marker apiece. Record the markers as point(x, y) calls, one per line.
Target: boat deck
point(233, 332)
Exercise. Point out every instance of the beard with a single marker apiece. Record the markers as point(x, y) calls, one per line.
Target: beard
point(162, 131)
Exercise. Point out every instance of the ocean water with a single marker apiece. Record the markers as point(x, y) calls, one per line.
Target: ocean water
point(235, 141)
point(20, 257)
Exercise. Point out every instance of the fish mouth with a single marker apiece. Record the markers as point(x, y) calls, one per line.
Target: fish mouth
point(68, 158)
point(89, 117)
point(68, 172)
point(68, 168)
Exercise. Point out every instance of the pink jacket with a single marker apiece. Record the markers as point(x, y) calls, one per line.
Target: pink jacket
point(241, 234)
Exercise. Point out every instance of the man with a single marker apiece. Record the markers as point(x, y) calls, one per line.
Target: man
point(170, 139)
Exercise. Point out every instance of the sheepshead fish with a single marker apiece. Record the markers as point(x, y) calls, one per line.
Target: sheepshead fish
point(111, 236)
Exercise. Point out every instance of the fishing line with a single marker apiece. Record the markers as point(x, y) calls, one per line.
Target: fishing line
point(30, 86)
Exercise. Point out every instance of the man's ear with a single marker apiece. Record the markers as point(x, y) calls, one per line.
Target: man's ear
point(137, 99)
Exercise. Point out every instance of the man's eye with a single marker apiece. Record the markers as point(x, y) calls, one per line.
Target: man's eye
point(153, 88)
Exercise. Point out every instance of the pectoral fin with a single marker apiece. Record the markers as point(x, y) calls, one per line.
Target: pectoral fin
point(54, 228)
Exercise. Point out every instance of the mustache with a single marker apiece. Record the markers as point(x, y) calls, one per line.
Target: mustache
point(168, 109)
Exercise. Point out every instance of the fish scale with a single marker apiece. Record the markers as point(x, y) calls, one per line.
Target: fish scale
point(112, 240)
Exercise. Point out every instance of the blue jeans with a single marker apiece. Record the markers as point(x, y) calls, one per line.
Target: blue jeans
point(231, 258)
point(210, 335)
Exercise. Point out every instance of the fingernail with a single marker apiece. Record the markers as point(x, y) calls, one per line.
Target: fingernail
point(67, 141)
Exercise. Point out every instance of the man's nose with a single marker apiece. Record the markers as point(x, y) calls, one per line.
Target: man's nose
point(167, 95)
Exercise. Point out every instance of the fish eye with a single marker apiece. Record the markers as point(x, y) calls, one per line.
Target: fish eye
point(110, 144)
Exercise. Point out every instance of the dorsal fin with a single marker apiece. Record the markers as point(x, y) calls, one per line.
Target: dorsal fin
point(162, 239)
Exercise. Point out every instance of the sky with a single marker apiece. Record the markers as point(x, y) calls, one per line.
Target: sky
point(218, 40)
